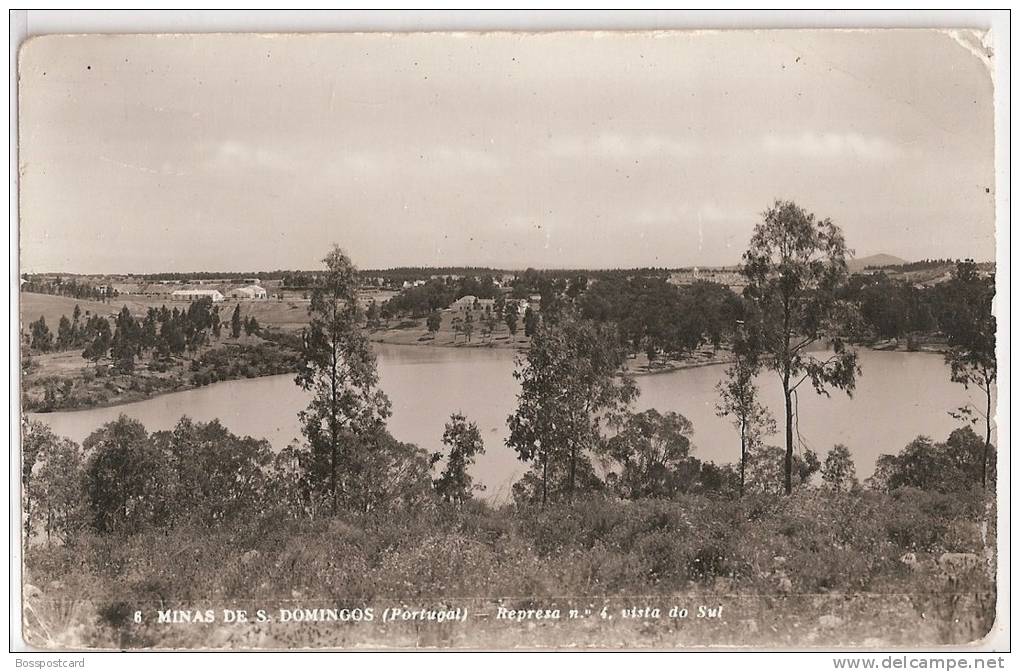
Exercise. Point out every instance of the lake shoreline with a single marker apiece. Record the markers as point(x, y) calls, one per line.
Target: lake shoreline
point(426, 385)
point(637, 366)
point(54, 387)
point(140, 397)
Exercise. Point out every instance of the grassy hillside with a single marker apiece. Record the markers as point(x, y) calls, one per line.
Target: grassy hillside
point(52, 307)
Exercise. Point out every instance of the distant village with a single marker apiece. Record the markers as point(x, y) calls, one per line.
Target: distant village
point(284, 286)
point(379, 286)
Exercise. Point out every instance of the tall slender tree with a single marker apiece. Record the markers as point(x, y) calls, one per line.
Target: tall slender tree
point(738, 399)
point(76, 326)
point(217, 325)
point(794, 266)
point(969, 325)
point(338, 367)
point(235, 322)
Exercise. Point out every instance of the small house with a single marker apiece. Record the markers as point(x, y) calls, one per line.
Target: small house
point(249, 293)
point(465, 302)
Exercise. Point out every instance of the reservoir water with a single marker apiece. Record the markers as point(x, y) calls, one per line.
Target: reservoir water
point(899, 395)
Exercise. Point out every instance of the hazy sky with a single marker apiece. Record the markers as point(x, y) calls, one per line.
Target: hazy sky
point(144, 154)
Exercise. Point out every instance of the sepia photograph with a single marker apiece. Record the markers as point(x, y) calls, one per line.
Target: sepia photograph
point(634, 339)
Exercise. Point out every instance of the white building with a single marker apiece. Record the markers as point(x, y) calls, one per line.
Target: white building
point(471, 301)
point(249, 292)
point(195, 294)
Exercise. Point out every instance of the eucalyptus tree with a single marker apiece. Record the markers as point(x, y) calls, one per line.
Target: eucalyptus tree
point(339, 368)
point(738, 399)
point(969, 325)
point(573, 384)
point(794, 265)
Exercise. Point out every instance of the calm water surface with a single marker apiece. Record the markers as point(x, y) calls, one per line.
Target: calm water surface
point(899, 396)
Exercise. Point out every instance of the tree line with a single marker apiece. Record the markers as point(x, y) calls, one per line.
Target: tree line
point(664, 320)
point(66, 287)
point(162, 332)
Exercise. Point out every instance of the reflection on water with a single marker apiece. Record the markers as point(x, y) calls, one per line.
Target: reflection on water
point(899, 396)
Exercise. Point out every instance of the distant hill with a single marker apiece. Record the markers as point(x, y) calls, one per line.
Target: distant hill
point(875, 260)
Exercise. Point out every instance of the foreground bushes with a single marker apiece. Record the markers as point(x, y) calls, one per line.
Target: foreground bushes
point(123, 480)
point(599, 547)
point(825, 548)
point(195, 515)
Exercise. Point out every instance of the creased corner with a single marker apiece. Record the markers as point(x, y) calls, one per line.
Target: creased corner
point(977, 42)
